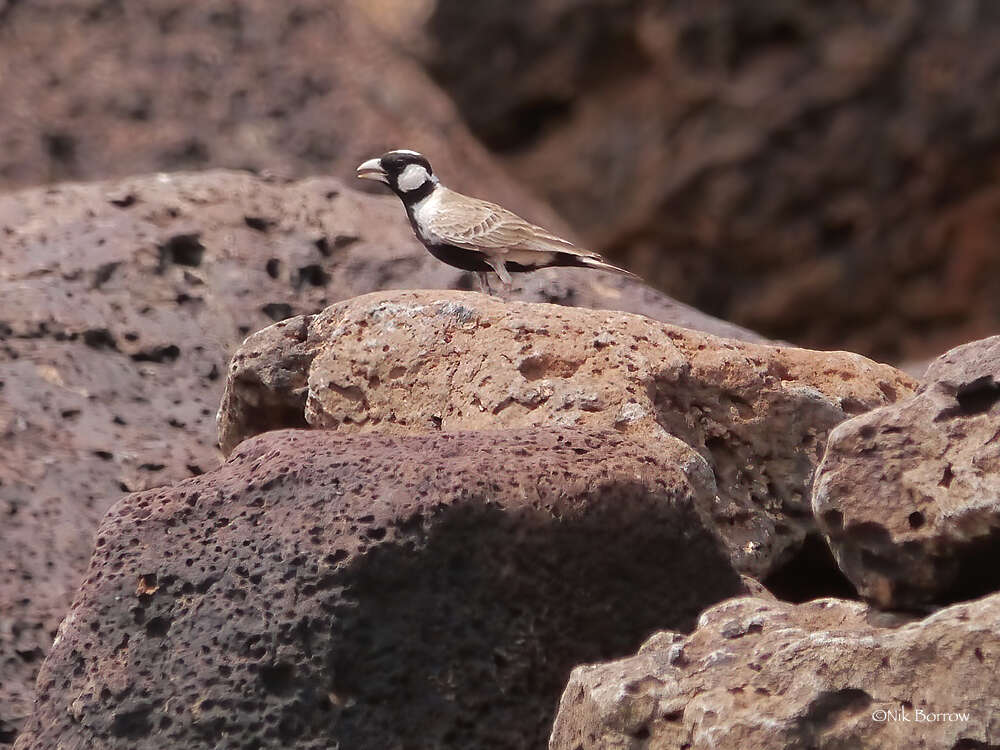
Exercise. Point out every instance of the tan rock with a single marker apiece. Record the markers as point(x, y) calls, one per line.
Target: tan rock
point(418, 361)
point(766, 674)
point(908, 495)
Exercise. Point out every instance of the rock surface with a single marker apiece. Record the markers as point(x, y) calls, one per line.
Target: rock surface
point(123, 302)
point(323, 590)
point(780, 164)
point(909, 495)
point(297, 89)
point(767, 674)
point(424, 361)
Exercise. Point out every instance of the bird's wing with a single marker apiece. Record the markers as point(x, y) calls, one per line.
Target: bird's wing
point(476, 224)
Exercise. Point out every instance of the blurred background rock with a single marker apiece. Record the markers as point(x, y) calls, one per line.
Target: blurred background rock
point(827, 173)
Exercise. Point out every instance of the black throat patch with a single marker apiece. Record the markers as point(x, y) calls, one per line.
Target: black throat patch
point(412, 197)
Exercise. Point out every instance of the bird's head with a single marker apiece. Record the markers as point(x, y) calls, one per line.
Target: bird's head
point(406, 172)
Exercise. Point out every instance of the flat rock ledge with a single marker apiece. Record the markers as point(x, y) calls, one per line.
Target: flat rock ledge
point(405, 362)
point(908, 495)
point(767, 674)
point(322, 590)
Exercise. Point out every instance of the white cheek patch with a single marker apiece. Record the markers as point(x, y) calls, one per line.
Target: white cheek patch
point(412, 177)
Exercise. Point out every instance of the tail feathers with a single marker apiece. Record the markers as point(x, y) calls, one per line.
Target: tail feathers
point(597, 262)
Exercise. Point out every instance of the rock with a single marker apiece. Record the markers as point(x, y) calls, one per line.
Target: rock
point(295, 89)
point(123, 302)
point(779, 164)
point(908, 495)
point(371, 591)
point(766, 674)
point(416, 361)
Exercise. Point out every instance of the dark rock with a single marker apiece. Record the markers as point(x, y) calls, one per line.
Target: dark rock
point(822, 172)
point(323, 590)
point(908, 495)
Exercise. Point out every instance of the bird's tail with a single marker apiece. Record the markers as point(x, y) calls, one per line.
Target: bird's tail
point(597, 262)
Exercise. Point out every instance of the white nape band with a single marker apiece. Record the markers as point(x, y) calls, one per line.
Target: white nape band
point(412, 177)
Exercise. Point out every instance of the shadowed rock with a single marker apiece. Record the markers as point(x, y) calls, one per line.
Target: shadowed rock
point(323, 590)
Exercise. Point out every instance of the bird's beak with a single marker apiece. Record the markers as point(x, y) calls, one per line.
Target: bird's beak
point(372, 170)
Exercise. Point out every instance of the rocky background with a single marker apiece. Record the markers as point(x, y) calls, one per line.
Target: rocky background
point(430, 508)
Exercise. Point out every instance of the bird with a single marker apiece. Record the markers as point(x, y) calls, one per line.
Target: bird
point(470, 233)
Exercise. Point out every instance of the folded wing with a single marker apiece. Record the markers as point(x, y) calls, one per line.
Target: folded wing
point(474, 224)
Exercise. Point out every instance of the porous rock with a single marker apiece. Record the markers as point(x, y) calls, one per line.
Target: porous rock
point(908, 495)
point(779, 164)
point(766, 674)
point(418, 361)
point(294, 89)
point(371, 591)
point(122, 303)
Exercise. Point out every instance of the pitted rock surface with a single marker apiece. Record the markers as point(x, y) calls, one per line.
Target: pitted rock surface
point(417, 361)
point(123, 302)
point(779, 164)
point(295, 89)
point(909, 495)
point(766, 674)
point(371, 591)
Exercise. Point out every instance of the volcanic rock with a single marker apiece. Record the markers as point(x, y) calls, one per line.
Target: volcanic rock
point(295, 89)
point(123, 302)
point(908, 495)
point(371, 591)
point(822, 172)
point(767, 674)
point(416, 361)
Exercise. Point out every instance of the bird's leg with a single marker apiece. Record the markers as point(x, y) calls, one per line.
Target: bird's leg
point(484, 282)
point(498, 265)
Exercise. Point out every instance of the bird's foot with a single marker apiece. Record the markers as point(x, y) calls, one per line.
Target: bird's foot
point(484, 283)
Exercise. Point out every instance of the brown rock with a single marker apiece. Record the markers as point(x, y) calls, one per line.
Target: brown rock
point(123, 301)
point(779, 164)
point(297, 89)
point(370, 591)
point(416, 361)
point(766, 674)
point(909, 495)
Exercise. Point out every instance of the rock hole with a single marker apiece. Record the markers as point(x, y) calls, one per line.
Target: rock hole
point(258, 223)
point(125, 202)
point(810, 574)
point(277, 310)
point(182, 250)
point(277, 678)
point(158, 627)
point(314, 275)
point(60, 146)
point(916, 519)
point(158, 354)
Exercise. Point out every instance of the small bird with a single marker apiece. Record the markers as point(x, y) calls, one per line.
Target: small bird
point(469, 233)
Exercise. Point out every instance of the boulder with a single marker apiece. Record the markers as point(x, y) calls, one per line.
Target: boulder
point(123, 302)
point(908, 495)
point(294, 89)
point(408, 362)
point(371, 591)
point(779, 164)
point(766, 674)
